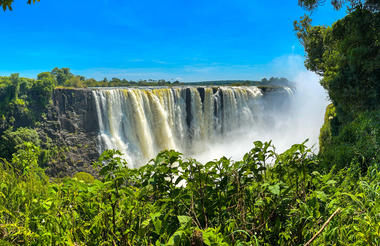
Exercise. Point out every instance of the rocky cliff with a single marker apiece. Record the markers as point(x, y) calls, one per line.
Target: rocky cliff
point(72, 125)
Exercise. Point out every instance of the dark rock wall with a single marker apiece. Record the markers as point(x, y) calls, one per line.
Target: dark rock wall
point(72, 125)
point(76, 110)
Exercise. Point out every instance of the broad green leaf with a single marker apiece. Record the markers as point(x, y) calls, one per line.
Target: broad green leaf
point(274, 189)
point(183, 220)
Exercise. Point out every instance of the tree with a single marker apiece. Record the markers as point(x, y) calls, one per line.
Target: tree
point(16, 85)
point(115, 80)
point(310, 5)
point(347, 55)
point(10, 140)
point(45, 75)
point(62, 75)
point(41, 92)
point(74, 82)
point(8, 3)
point(90, 82)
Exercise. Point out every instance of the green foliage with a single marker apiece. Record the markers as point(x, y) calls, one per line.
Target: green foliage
point(357, 141)
point(85, 177)
point(329, 128)
point(25, 160)
point(22, 104)
point(62, 75)
point(8, 3)
point(175, 201)
point(41, 93)
point(115, 82)
point(63, 78)
point(23, 101)
point(16, 85)
point(310, 5)
point(10, 140)
point(347, 55)
point(76, 82)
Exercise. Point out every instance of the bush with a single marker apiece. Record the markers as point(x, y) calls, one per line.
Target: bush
point(10, 140)
point(329, 128)
point(85, 177)
point(357, 141)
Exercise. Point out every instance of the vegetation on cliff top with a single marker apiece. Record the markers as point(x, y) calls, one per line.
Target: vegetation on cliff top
point(63, 78)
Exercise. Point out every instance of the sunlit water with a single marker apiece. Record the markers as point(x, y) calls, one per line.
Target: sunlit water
point(205, 123)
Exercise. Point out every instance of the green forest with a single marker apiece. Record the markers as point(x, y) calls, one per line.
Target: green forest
point(63, 78)
point(292, 198)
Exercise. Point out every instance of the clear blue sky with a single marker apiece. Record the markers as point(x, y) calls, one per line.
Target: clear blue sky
point(140, 39)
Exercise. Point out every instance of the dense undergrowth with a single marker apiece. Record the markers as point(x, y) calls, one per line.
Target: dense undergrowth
point(176, 201)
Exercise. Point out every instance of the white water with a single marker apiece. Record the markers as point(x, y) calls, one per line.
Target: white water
point(194, 121)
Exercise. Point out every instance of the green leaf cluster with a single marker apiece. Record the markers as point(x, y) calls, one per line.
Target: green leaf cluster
point(23, 101)
point(4, 4)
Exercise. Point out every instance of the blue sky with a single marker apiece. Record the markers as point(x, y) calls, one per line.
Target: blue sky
point(168, 39)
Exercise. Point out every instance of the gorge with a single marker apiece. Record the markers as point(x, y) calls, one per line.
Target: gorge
point(140, 122)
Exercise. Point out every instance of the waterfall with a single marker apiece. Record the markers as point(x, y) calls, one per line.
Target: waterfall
point(141, 122)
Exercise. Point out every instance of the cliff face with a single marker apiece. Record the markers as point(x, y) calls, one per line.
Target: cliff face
point(72, 125)
point(76, 110)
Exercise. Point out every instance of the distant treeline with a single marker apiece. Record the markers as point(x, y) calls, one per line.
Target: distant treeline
point(273, 81)
point(63, 77)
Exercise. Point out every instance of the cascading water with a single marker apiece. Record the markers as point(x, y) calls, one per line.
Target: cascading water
point(142, 122)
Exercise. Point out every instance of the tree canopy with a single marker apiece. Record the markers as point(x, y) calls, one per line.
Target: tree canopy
point(7, 4)
point(347, 56)
point(310, 5)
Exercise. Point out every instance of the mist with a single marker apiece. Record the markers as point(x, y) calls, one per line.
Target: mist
point(142, 122)
point(301, 120)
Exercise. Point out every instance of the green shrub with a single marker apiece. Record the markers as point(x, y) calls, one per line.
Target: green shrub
point(85, 177)
point(326, 132)
point(357, 141)
point(10, 140)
